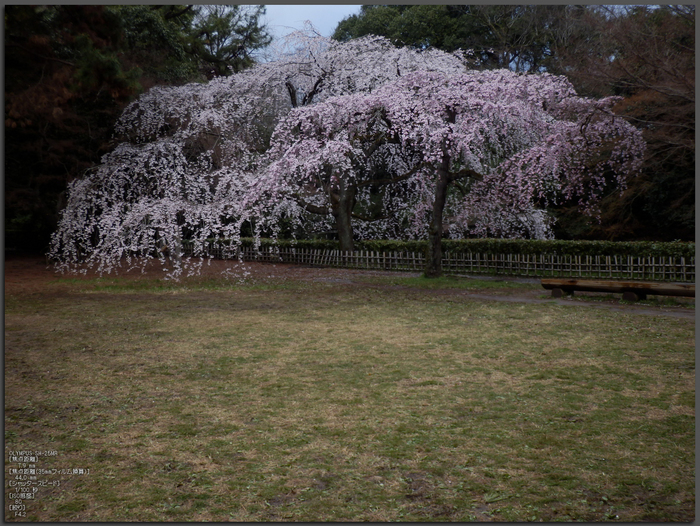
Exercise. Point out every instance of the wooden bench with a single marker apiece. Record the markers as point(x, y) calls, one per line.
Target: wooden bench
point(631, 290)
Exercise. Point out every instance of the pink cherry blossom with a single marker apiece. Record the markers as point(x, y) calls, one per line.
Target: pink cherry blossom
point(361, 137)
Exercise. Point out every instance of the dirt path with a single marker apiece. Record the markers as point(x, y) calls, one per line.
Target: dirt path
point(31, 275)
point(674, 312)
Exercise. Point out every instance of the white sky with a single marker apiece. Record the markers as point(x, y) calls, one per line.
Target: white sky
point(283, 19)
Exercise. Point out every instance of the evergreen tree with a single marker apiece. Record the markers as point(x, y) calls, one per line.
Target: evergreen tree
point(69, 72)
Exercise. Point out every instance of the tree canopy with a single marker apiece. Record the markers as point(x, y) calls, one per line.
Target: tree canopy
point(472, 153)
point(225, 38)
point(69, 72)
point(518, 37)
point(399, 141)
point(645, 54)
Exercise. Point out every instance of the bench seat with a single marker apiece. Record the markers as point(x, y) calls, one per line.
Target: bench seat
point(631, 290)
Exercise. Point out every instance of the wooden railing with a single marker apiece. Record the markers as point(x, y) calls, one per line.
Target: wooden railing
point(529, 265)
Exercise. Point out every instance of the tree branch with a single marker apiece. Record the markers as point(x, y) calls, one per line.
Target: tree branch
point(391, 180)
point(292, 93)
point(310, 95)
point(314, 209)
point(465, 172)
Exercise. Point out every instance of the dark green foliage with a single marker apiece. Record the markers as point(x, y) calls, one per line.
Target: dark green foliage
point(574, 248)
point(96, 68)
point(69, 72)
point(419, 26)
point(554, 247)
point(156, 38)
point(65, 86)
point(223, 37)
point(500, 36)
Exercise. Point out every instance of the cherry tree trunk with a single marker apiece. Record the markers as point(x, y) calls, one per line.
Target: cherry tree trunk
point(343, 203)
point(433, 264)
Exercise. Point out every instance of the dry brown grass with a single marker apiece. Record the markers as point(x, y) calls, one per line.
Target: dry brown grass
point(295, 399)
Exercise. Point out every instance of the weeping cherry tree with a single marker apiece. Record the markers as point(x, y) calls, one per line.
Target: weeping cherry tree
point(189, 155)
point(479, 153)
point(361, 137)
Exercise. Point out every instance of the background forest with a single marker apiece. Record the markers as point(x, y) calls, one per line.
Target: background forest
point(71, 70)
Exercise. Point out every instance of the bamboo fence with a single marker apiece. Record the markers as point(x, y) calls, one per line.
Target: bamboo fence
point(525, 265)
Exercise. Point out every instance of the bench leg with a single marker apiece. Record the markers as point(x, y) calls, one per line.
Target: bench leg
point(558, 293)
point(633, 296)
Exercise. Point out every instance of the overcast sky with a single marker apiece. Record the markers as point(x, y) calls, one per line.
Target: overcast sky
point(283, 19)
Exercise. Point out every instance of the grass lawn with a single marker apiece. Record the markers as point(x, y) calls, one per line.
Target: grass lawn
point(212, 400)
